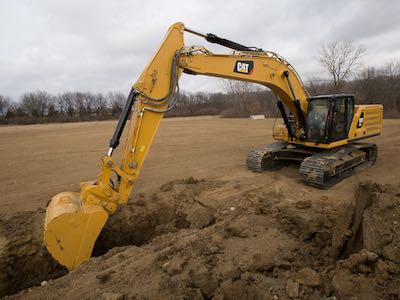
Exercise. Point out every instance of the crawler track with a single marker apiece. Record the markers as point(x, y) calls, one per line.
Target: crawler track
point(327, 168)
point(261, 159)
point(322, 169)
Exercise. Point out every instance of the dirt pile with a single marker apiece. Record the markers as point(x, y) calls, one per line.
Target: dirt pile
point(205, 239)
point(24, 261)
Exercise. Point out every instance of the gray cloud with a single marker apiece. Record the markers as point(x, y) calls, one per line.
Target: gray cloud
point(103, 45)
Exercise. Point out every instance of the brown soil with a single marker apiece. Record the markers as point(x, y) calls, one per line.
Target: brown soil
point(24, 261)
point(232, 235)
point(197, 239)
point(39, 161)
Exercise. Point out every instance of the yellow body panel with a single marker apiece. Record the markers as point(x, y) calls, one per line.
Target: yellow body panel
point(367, 121)
point(280, 133)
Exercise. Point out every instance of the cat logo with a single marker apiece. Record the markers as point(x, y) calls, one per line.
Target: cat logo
point(244, 67)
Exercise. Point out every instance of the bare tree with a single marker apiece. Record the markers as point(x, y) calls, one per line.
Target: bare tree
point(392, 75)
point(238, 87)
point(240, 92)
point(185, 104)
point(83, 103)
point(341, 59)
point(79, 103)
point(190, 103)
point(88, 99)
point(117, 101)
point(4, 105)
point(13, 110)
point(316, 86)
point(65, 103)
point(368, 85)
point(100, 104)
point(51, 109)
point(36, 103)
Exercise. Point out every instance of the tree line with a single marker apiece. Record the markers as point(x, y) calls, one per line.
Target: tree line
point(41, 107)
point(369, 85)
point(341, 60)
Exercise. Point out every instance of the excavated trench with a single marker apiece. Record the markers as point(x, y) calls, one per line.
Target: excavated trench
point(25, 262)
point(355, 252)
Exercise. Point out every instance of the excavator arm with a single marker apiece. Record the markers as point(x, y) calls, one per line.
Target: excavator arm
point(74, 220)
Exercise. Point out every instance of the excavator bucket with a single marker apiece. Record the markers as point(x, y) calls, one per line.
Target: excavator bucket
point(71, 228)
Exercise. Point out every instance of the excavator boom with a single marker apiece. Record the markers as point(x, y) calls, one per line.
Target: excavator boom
point(74, 220)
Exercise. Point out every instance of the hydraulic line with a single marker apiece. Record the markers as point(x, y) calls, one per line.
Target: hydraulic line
point(296, 102)
point(173, 82)
point(114, 142)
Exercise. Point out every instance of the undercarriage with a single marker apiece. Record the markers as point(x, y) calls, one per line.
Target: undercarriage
point(318, 167)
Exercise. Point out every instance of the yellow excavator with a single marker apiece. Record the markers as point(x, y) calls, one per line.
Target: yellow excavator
point(321, 132)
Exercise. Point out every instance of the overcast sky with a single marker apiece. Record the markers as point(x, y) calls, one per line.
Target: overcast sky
point(100, 46)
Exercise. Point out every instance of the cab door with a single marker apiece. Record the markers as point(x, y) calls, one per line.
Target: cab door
point(342, 116)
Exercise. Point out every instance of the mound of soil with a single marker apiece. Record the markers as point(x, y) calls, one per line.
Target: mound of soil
point(206, 239)
point(24, 261)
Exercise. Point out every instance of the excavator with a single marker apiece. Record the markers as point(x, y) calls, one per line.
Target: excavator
point(321, 132)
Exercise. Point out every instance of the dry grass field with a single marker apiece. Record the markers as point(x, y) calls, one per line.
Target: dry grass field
point(39, 161)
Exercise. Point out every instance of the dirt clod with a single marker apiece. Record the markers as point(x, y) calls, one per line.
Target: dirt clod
point(104, 276)
point(382, 270)
point(308, 277)
point(303, 204)
point(292, 288)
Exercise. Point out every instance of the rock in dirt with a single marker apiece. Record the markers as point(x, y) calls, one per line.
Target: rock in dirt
point(351, 286)
point(358, 258)
point(382, 270)
point(303, 204)
point(292, 288)
point(199, 216)
point(308, 277)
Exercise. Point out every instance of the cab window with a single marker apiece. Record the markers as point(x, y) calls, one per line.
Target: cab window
point(339, 123)
point(341, 118)
point(317, 117)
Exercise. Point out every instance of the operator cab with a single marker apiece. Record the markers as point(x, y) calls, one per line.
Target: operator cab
point(329, 118)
